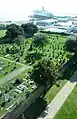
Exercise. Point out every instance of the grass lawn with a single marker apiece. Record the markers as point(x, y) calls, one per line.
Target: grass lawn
point(2, 33)
point(69, 108)
point(53, 91)
point(7, 67)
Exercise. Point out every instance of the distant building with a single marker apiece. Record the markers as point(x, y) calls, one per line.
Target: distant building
point(41, 14)
point(63, 18)
point(47, 22)
point(73, 29)
point(59, 30)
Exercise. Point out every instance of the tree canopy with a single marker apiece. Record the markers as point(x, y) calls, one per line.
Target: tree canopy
point(29, 29)
point(39, 40)
point(43, 72)
point(14, 30)
point(71, 44)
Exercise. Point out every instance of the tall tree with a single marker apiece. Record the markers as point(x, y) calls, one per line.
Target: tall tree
point(43, 72)
point(14, 31)
point(29, 29)
point(71, 44)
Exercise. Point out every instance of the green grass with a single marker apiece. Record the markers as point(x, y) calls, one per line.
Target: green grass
point(51, 93)
point(7, 67)
point(69, 108)
point(2, 33)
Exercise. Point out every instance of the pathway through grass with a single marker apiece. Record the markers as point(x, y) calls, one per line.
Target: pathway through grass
point(59, 99)
point(69, 108)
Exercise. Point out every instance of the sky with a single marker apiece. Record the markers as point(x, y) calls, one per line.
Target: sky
point(21, 9)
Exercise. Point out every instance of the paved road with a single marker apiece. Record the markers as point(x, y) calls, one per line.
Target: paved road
point(3, 58)
point(59, 99)
point(13, 74)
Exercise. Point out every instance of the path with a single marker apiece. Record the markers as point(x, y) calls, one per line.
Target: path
point(13, 74)
point(3, 58)
point(59, 99)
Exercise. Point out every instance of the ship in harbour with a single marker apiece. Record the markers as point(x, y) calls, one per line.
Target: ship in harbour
point(41, 14)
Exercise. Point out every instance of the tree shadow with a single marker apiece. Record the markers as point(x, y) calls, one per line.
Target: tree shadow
point(35, 110)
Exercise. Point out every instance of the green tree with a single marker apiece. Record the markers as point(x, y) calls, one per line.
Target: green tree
point(39, 40)
point(71, 44)
point(14, 31)
point(43, 72)
point(29, 29)
point(19, 39)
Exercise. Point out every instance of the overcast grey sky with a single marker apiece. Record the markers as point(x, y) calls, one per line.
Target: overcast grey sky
point(20, 9)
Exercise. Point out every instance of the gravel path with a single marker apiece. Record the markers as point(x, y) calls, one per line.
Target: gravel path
point(59, 99)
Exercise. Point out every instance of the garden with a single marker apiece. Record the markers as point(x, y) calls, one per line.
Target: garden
point(29, 51)
point(7, 67)
point(45, 53)
point(15, 92)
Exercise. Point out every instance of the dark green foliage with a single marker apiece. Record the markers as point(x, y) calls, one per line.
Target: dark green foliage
point(57, 36)
point(30, 49)
point(43, 72)
point(50, 32)
point(14, 30)
point(18, 81)
point(69, 56)
point(71, 44)
point(14, 33)
point(19, 39)
point(39, 40)
point(33, 56)
point(6, 50)
point(3, 104)
point(29, 29)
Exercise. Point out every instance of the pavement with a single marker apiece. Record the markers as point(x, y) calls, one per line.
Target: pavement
point(58, 101)
point(13, 74)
